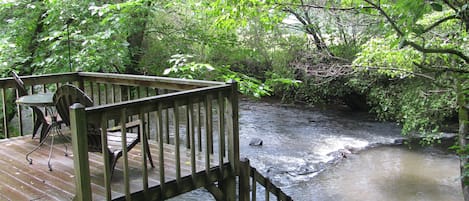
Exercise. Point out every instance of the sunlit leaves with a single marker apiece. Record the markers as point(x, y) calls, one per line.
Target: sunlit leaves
point(183, 66)
point(378, 54)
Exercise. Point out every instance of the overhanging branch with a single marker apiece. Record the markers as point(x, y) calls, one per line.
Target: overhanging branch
point(439, 22)
point(415, 45)
point(325, 7)
point(437, 51)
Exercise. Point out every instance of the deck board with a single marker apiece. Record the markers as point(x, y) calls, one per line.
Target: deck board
point(22, 181)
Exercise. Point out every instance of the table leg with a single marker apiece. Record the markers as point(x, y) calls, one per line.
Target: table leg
point(50, 153)
point(35, 148)
point(56, 127)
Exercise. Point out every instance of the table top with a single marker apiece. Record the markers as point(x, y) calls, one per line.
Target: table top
point(40, 99)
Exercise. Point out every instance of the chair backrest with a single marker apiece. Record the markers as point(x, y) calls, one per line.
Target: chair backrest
point(67, 95)
point(19, 84)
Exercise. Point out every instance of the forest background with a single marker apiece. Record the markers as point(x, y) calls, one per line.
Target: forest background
point(405, 61)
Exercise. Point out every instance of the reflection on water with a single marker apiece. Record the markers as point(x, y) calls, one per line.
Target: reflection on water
point(300, 153)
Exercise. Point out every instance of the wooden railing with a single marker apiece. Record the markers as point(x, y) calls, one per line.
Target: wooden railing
point(249, 178)
point(200, 117)
point(104, 88)
point(34, 84)
point(187, 116)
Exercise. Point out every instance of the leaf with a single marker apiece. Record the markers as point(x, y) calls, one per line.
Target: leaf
point(418, 29)
point(402, 43)
point(436, 6)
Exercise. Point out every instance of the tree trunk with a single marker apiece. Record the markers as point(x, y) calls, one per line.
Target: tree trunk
point(28, 68)
point(462, 134)
point(309, 27)
point(135, 41)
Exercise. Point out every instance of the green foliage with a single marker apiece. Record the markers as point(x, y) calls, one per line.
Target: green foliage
point(412, 103)
point(382, 55)
point(409, 85)
point(182, 68)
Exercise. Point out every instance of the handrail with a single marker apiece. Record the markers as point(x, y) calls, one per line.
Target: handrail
point(149, 81)
point(162, 110)
point(189, 115)
point(133, 106)
point(248, 173)
point(40, 79)
point(104, 88)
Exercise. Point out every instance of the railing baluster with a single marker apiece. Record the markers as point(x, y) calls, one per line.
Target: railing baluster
point(161, 148)
point(6, 131)
point(252, 171)
point(113, 93)
point(148, 117)
point(199, 125)
point(19, 111)
point(98, 85)
point(188, 126)
point(167, 123)
point(92, 91)
point(143, 137)
point(138, 90)
point(192, 136)
point(129, 97)
point(106, 95)
point(123, 119)
point(267, 189)
point(221, 130)
point(177, 141)
point(208, 132)
point(104, 148)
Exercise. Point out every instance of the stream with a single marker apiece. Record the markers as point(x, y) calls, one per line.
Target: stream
point(332, 154)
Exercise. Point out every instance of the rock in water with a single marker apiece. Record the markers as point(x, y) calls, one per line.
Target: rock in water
point(255, 142)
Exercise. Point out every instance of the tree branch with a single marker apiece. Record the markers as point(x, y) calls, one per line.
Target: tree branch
point(439, 22)
point(437, 51)
point(388, 18)
point(415, 45)
point(441, 68)
point(398, 70)
point(450, 5)
point(325, 7)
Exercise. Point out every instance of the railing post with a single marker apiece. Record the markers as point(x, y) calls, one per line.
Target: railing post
point(244, 173)
point(233, 138)
point(80, 152)
point(229, 185)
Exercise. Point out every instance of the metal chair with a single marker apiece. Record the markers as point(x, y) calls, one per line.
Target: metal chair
point(39, 118)
point(67, 95)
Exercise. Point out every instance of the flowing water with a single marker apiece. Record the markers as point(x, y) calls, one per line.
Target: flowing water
point(335, 154)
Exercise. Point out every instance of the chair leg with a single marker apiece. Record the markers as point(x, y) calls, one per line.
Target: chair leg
point(112, 163)
point(149, 153)
point(37, 124)
point(44, 130)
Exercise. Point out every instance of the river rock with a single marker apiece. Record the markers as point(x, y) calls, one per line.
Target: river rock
point(255, 142)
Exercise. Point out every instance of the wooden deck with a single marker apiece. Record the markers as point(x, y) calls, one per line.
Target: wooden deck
point(22, 181)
